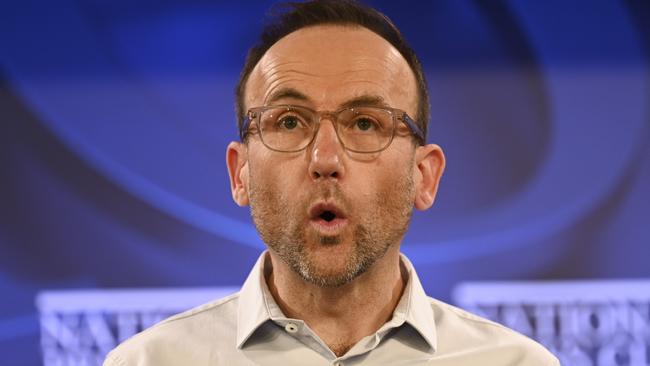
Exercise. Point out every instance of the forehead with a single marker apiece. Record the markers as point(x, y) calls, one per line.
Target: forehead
point(331, 64)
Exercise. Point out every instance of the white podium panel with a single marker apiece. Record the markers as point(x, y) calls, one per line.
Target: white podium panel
point(79, 327)
point(584, 323)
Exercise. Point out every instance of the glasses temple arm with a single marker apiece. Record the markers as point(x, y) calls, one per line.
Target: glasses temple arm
point(414, 128)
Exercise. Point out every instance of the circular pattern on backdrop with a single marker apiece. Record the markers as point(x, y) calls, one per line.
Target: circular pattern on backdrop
point(542, 112)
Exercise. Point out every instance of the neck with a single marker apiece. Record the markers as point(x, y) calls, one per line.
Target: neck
point(367, 302)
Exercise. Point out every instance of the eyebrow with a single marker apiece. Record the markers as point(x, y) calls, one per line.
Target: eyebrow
point(362, 100)
point(365, 100)
point(285, 93)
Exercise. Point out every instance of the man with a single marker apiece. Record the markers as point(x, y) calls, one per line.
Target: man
point(332, 164)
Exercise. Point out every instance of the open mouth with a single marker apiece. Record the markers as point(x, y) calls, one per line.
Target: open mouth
point(327, 216)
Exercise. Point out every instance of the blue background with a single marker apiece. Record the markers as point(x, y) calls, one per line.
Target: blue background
point(115, 115)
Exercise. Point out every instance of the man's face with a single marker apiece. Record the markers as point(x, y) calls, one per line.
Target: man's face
point(328, 213)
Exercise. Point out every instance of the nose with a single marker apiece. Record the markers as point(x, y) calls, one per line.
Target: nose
point(326, 153)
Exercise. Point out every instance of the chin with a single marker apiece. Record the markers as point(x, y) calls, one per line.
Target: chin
point(329, 279)
point(331, 270)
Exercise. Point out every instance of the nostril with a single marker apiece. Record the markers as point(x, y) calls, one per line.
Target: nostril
point(317, 175)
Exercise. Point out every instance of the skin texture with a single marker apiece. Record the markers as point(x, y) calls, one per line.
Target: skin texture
point(343, 283)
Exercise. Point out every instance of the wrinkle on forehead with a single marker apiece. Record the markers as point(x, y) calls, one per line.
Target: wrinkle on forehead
point(326, 61)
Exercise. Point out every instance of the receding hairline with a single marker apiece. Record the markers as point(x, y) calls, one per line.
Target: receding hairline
point(292, 16)
point(348, 25)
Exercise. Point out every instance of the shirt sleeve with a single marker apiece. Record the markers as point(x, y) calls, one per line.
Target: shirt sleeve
point(113, 360)
point(555, 362)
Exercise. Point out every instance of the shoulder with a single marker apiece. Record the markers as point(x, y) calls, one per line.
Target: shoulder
point(461, 331)
point(184, 336)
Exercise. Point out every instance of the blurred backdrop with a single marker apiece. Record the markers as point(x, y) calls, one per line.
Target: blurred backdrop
point(115, 116)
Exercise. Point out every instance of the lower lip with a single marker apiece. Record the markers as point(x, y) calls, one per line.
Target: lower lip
point(329, 227)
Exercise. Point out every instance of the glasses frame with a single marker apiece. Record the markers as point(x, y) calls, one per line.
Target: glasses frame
point(398, 115)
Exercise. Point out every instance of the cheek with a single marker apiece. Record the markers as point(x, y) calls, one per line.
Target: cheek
point(393, 177)
point(277, 176)
point(373, 182)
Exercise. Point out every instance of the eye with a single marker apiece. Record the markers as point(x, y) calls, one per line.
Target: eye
point(288, 122)
point(365, 124)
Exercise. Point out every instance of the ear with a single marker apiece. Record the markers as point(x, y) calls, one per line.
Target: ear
point(429, 166)
point(237, 163)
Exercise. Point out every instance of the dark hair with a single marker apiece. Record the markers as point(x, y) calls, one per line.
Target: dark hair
point(344, 12)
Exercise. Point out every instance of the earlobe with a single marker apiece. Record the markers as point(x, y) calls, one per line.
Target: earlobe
point(429, 166)
point(237, 163)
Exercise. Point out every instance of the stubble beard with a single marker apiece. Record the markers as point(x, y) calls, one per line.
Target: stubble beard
point(379, 227)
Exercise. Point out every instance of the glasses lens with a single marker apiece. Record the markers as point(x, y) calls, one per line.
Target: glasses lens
point(286, 128)
point(366, 129)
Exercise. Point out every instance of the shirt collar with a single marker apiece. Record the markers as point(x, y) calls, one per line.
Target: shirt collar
point(415, 306)
point(256, 305)
point(253, 309)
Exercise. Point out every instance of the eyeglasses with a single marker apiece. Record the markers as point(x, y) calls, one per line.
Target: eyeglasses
point(289, 128)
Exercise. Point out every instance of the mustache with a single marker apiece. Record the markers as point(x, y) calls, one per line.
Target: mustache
point(328, 192)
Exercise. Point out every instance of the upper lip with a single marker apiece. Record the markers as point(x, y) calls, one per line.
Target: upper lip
point(320, 207)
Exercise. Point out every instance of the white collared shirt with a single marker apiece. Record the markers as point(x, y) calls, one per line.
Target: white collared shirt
point(248, 328)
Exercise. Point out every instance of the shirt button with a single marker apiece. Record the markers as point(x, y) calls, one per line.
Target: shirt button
point(291, 328)
point(338, 364)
